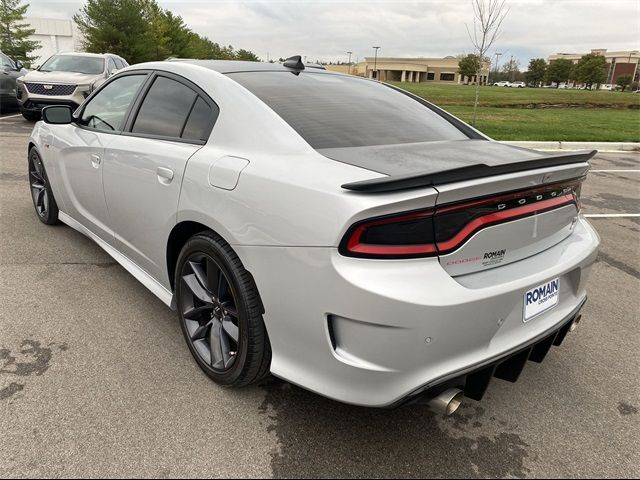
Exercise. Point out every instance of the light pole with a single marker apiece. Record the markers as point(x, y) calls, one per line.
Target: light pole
point(375, 62)
point(512, 70)
point(349, 67)
point(498, 55)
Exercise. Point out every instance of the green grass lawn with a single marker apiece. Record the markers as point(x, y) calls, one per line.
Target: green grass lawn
point(541, 113)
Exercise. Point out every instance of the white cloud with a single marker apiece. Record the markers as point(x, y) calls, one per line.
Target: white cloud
point(327, 29)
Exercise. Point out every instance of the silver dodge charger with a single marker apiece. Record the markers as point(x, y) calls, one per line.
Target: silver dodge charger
point(334, 231)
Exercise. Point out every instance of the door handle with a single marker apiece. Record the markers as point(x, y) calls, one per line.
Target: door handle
point(95, 160)
point(165, 175)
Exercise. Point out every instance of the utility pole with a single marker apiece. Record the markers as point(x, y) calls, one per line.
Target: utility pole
point(375, 62)
point(495, 77)
point(349, 67)
point(512, 70)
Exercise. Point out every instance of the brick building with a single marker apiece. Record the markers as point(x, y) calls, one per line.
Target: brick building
point(618, 63)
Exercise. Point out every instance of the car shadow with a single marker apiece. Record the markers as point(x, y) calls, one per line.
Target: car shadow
point(322, 438)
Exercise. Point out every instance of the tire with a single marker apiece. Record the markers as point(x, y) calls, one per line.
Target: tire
point(31, 116)
point(41, 194)
point(221, 313)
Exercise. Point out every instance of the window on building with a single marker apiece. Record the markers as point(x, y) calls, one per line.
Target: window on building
point(431, 76)
point(447, 77)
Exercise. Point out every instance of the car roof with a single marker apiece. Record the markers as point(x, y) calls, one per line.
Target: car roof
point(236, 66)
point(85, 54)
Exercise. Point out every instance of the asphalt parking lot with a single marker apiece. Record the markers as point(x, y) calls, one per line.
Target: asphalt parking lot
point(95, 378)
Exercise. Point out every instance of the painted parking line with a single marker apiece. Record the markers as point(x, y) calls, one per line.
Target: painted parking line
point(617, 171)
point(11, 116)
point(611, 215)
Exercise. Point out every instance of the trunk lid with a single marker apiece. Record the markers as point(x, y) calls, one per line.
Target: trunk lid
point(496, 204)
point(493, 221)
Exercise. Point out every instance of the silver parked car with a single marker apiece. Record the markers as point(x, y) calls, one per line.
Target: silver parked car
point(65, 79)
point(338, 232)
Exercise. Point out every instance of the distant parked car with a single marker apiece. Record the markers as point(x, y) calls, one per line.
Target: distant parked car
point(10, 71)
point(518, 85)
point(502, 84)
point(65, 79)
point(607, 86)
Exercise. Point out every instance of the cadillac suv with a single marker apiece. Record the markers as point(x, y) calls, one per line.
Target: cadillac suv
point(64, 79)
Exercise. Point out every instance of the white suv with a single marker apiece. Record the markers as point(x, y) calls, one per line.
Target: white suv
point(64, 79)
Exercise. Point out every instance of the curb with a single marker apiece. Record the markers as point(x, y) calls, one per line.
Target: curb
point(600, 146)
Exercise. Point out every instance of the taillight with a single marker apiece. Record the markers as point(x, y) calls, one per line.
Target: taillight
point(425, 233)
point(406, 235)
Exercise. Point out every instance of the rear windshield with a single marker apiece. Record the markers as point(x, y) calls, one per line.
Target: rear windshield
point(336, 111)
point(74, 63)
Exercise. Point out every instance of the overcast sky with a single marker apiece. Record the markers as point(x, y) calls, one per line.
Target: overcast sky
point(326, 29)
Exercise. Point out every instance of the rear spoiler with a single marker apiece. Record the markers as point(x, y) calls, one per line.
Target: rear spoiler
point(404, 182)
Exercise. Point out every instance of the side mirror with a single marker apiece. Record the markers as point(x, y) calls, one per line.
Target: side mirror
point(113, 72)
point(57, 115)
point(19, 65)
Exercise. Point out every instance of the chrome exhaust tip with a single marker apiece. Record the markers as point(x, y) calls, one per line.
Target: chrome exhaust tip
point(574, 324)
point(447, 402)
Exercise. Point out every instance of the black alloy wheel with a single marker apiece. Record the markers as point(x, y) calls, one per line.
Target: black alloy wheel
point(209, 310)
point(221, 312)
point(41, 194)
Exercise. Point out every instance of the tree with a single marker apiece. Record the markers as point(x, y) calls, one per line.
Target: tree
point(591, 70)
point(487, 26)
point(15, 33)
point(536, 72)
point(141, 31)
point(624, 81)
point(511, 70)
point(469, 65)
point(246, 55)
point(116, 26)
point(559, 71)
point(157, 29)
point(178, 36)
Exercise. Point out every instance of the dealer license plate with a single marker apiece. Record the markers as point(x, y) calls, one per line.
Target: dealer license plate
point(541, 298)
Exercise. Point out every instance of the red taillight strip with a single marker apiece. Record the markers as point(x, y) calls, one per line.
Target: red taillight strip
point(568, 195)
point(503, 216)
point(392, 250)
point(354, 245)
point(509, 196)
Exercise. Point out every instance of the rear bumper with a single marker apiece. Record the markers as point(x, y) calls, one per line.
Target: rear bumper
point(474, 380)
point(378, 332)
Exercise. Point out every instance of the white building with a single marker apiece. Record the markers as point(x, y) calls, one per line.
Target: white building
point(55, 36)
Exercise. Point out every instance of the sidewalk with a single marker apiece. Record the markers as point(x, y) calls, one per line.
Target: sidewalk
point(600, 146)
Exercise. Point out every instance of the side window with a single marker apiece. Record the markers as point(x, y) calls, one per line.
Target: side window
point(164, 109)
point(6, 61)
point(119, 63)
point(124, 63)
point(107, 109)
point(111, 66)
point(199, 122)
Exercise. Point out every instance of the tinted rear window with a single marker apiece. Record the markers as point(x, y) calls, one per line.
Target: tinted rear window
point(334, 111)
point(165, 108)
point(199, 123)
